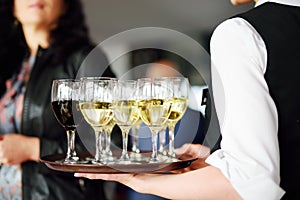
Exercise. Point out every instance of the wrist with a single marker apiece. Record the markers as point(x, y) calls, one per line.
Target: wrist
point(34, 149)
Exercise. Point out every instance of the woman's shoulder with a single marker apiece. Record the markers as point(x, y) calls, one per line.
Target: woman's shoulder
point(88, 50)
point(91, 60)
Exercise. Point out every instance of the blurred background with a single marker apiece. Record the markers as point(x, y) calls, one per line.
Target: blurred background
point(194, 18)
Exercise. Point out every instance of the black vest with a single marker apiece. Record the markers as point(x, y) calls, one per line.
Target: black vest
point(279, 27)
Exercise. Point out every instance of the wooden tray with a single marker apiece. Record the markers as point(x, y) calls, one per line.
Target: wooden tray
point(142, 166)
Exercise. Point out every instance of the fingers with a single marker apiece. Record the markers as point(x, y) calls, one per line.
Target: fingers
point(108, 177)
point(4, 161)
point(122, 178)
point(187, 149)
point(182, 149)
point(195, 150)
point(3, 157)
point(204, 152)
point(91, 176)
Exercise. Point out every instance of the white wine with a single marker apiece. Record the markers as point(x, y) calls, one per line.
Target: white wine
point(126, 112)
point(154, 112)
point(178, 108)
point(96, 113)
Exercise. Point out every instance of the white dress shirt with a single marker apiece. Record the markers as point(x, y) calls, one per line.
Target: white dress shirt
point(249, 154)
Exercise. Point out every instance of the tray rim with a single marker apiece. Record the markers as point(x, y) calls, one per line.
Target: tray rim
point(161, 167)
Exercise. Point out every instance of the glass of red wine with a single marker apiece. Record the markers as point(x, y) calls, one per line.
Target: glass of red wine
point(65, 105)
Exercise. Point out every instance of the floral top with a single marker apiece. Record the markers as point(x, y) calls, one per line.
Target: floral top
point(11, 106)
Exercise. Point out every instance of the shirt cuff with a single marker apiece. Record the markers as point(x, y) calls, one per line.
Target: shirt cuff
point(259, 185)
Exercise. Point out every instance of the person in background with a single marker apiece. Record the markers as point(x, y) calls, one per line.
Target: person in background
point(40, 41)
point(162, 68)
point(255, 79)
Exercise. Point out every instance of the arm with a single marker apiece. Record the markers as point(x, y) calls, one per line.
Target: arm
point(249, 155)
point(204, 183)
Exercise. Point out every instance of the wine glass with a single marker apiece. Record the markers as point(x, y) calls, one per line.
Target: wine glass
point(64, 101)
point(154, 103)
point(126, 112)
point(95, 105)
point(180, 89)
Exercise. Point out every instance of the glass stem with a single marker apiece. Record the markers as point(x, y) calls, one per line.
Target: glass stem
point(171, 152)
point(71, 153)
point(103, 143)
point(154, 156)
point(135, 139)
point(98, 137)
point(125, 155)
point(162, 141)
point(108, 142)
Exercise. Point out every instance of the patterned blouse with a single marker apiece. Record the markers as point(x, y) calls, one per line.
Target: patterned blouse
point(11, 106)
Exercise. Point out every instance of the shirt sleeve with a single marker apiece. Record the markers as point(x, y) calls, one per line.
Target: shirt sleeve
point(249, 154)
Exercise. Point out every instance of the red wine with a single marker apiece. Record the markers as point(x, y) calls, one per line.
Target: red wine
point(65, 111)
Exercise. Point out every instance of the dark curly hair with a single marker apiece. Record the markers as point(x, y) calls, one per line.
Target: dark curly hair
point(70, 35)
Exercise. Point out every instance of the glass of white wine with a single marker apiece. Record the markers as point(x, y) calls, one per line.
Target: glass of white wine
point(126, 112)
point(154, 103)
point(180, 94)
point(96, 107)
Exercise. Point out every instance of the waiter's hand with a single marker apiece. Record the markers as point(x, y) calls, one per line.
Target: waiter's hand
point(195, 151)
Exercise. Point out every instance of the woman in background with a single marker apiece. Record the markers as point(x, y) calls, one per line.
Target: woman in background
point(40, 41)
